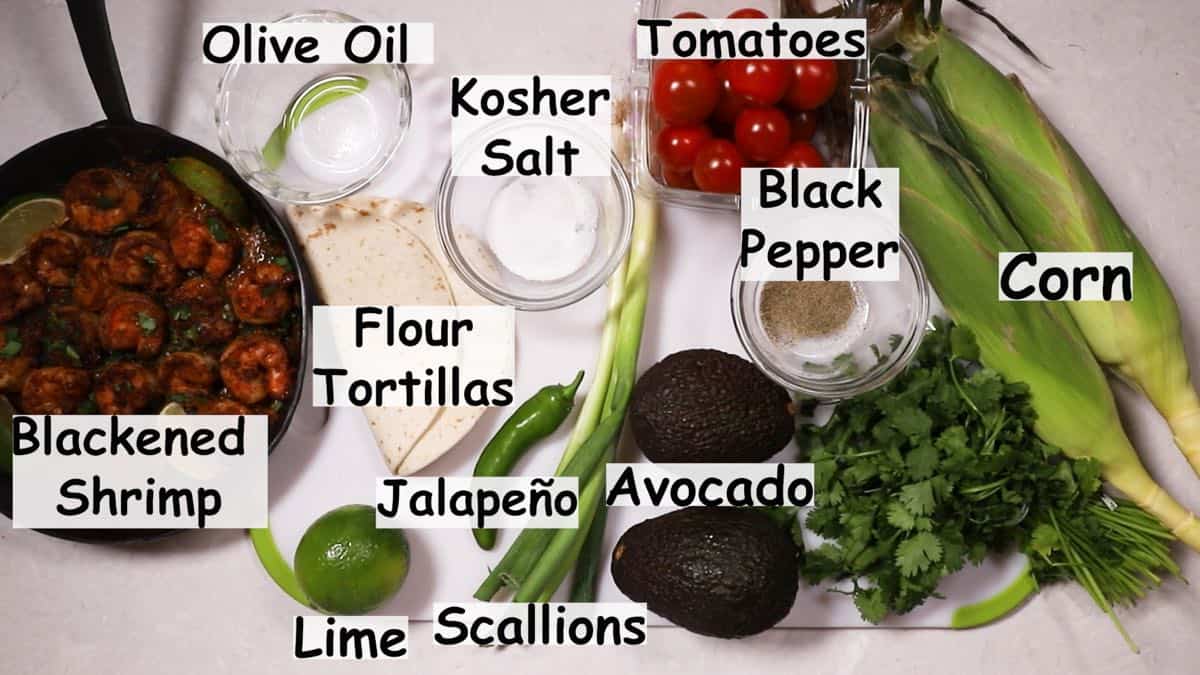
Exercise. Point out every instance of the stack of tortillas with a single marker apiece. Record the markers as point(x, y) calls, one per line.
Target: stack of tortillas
point(374, 251)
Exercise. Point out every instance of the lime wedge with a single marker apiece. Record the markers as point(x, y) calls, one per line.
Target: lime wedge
point(26, 217)
point(325, 91)
point(212, 185)
point(172, 408)
point(6, 447)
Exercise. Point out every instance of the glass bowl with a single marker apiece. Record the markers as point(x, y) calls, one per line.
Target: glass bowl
point(879, 339)
point(344, 122)
point(471, 222)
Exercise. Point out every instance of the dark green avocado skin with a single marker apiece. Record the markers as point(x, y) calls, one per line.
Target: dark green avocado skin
point(722, 572)
point(704, 405)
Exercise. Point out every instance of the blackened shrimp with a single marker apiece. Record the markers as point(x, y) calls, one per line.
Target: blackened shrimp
point(55, 390)
point(98, 200)
point(19, 348)
point(143, 260)
point(133, 322)
point(200, 314)
point(260, 293)
point(166, 200)
point(219, 405)
point(255, 367)
point(187, 373)
point(203, 242)
point(125, 387)
point(70, 337)
point(20, 290)
point(54, 256)
point(92, 284)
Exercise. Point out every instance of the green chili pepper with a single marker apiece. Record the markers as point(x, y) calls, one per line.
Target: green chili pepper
point(534, 420)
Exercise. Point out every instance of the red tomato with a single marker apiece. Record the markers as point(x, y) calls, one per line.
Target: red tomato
point(718, 167)
point(800, 155)
point(804, 125)
point(684, 92)
point(682, 180)
point(730, 105)
point(677, 146)
point(762, 134)
point(813, 82)
point(759, 81)
point(690, 15)
point(748, 13)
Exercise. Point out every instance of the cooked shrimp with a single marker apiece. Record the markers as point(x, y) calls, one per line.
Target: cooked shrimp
point(200, 313)
point(187, 373)
point(70, 337)
point(203, 242)
point(55, 391)
point(167, 200)
point(254, 367)
point(259, 293)
point(54, 256)
point(143, 260)
point(18, 355)
point(125, 387)
point(19, 290)
point(133, 322)
point(220, 405)
point(98, 200)
point(92, 284)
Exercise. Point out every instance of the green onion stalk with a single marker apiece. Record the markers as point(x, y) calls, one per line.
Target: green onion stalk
point(539, 560)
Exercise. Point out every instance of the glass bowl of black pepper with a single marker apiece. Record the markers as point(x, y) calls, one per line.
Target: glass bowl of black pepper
point(833, 340)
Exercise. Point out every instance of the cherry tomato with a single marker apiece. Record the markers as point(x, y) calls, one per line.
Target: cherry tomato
point(748, 13)
point(759, 81)
point(690, 15)
point(685, 92)
point(729, 105)
point(682, 180)
point(813, 82)
point(762, 134)
point(800, 155)
point(718, 167)
point(677, 146)
point(804, 125)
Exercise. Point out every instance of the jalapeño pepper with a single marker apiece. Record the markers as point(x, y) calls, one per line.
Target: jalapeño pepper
point(534, 420)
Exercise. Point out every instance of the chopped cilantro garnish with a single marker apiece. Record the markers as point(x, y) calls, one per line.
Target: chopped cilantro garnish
point(217, 229)
point(146, 323)
point(282, 261)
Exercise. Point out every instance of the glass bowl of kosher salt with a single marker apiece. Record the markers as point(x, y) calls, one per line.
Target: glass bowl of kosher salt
point(833, 340)
point(535, 242)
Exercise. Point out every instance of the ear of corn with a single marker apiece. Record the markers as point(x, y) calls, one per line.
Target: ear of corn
point(959, 229)
point(1057, 205)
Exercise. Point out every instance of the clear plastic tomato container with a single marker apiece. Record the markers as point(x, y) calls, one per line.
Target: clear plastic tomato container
point(841, 132)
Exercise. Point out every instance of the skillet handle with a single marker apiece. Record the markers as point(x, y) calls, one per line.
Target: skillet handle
point(90, 19)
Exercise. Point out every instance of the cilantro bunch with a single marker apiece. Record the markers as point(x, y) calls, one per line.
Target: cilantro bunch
point(941, 467)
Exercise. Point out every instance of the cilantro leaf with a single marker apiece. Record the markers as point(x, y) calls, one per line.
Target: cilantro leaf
point(900, 517)
point(871, 604)
point(918, 498)
point(915, 554)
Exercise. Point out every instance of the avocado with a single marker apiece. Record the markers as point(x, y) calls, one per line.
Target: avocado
point(703, 405)
point(718, 571)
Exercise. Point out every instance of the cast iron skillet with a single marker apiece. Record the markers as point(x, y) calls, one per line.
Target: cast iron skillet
point(47, 166)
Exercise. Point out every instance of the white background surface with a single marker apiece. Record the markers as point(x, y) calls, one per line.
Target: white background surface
point(1122, 88)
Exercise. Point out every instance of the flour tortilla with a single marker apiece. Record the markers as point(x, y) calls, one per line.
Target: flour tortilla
point(451, 424)
point(367, 250)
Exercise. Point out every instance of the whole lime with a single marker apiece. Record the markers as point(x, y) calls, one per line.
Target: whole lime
point(347, 566)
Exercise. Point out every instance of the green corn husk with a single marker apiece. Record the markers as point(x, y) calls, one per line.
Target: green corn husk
point(1057, 205)
point(959, 229)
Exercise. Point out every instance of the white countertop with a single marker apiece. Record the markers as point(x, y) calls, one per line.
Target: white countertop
point(1122, 89)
